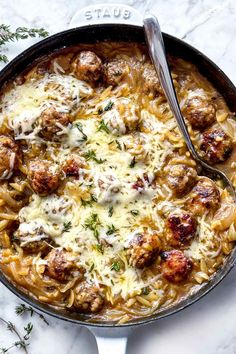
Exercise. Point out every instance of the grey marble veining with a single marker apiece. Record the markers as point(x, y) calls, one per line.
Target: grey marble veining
point(207, 327)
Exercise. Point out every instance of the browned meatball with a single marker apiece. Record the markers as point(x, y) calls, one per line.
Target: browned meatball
point(114, 71)
point(180, 178)
point(36, 247)
point(151, 81)
point(58, 265)
point(44, 177)
point(32, 239)
point(204, 196)
point(217, 145)
point(88, 66)
point(88, 298)
point(73, 166)
point(9, 157)
point(143, 249)
point(51, 123)
point(200, 111)
point(175, 266)
point(181, 229)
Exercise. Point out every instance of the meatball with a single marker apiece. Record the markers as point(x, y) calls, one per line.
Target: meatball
point(88, 66)
point(204, 196)
point(43, 176)
point(52, 122)
point(199, 111)
point(72, 167)
point(180, 178)
point(217, 145)
point(143, 249)
point(181, 229)
point(88, 298)
point(175, 266)
point(9, 157)
point(122, 117)
point(32, 237)
point(58, 266)
point(114, 71)
point(151, 81)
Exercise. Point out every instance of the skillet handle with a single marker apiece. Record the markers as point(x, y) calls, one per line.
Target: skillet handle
point(106, 13)
point(111, 339)
point(111, 345)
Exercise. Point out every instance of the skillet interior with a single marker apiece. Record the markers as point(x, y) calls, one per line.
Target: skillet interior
point(135, 34)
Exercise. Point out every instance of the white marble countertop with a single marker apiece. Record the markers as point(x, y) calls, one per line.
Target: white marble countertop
point(207, 327)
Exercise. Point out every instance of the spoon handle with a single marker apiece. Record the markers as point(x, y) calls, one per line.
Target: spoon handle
point(158, 56)
point(157, 52)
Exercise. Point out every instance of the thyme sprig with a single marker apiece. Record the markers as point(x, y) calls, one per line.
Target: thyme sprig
point(93, 223)
point(91, 155)
point(103, 127)
point(67, 226)
point(7, 35)
point(22, 342)
point(23, 309)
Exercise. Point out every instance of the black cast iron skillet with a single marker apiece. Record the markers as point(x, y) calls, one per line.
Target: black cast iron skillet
point(120, 28)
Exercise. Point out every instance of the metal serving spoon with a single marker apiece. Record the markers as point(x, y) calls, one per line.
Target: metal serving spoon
point(157, 53)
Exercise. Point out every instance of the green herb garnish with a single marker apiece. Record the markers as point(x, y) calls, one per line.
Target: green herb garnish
point(118, 145)
point(134, 212)
point(93, 223)
point(22, 309)
point(91, 155)
point(103, 127)
point(115, 266)
point(111, 230)
point(80, 128)
point(89, 202)
point(99, 248)
point(108, 106)
point(110, 211)
point(146, 290)
point(91, 268)
point(66, 226)
point(132, 163)
point(7, 35)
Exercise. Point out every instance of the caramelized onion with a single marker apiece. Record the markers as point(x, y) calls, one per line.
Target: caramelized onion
point(224, 217)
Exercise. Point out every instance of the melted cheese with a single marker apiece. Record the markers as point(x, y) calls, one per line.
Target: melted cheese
point(22, 106)
point(106, 188)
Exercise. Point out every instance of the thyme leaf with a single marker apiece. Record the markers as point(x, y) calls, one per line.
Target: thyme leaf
point(93, 223)
point(79, 126)
point(108, 106)
point(91, 155)
point(110, 211)
point(115, 266)
point(22, 309)
point(134, 212)
point(66, 226)
point(103, 127)
point(90, 201)
point(111, 230)
point(132, 163)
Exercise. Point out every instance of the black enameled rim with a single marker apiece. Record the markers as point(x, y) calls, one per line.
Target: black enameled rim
point(115, 32)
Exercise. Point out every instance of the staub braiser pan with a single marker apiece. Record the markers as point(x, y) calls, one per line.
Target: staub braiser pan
point(119, 23)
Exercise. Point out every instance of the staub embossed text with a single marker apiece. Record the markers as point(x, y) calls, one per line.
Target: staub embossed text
point(115, 12)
